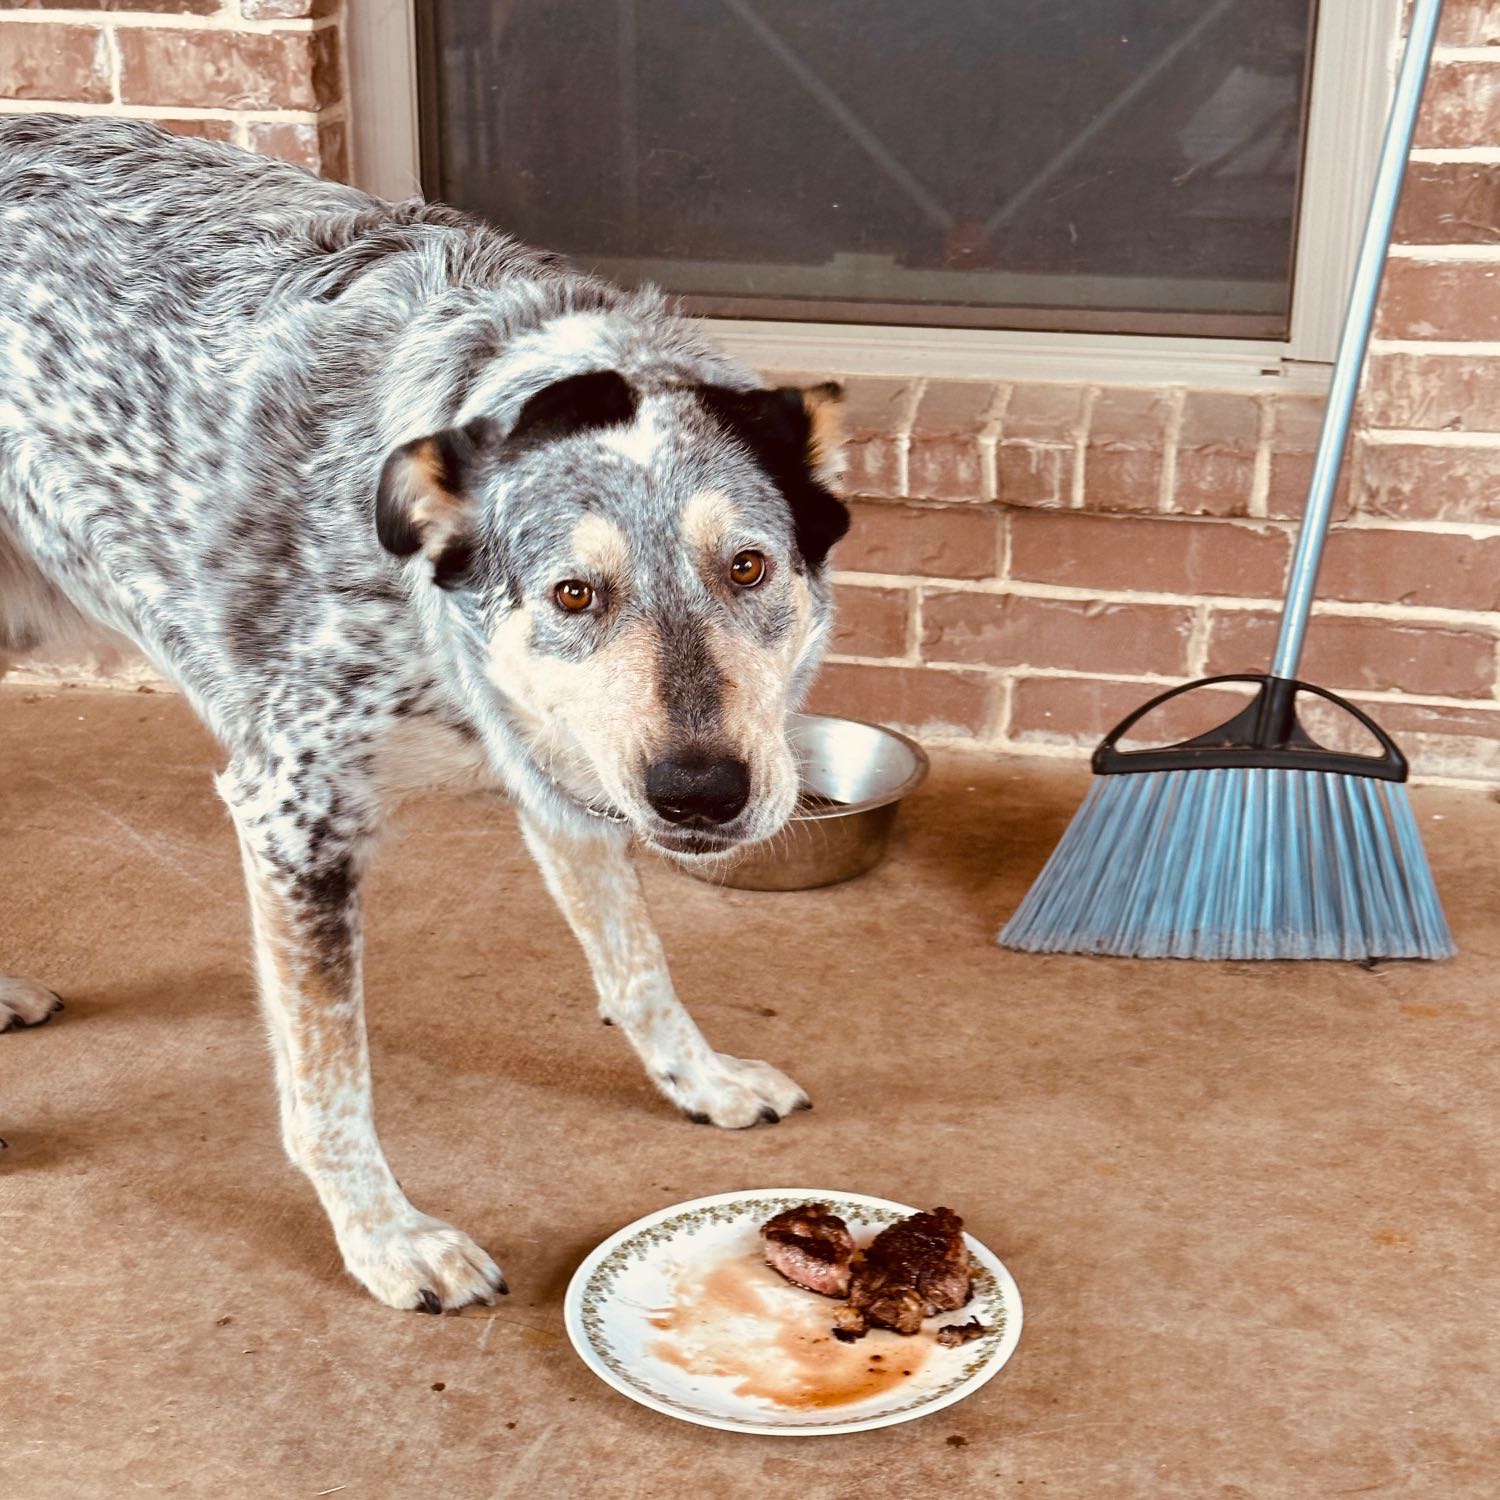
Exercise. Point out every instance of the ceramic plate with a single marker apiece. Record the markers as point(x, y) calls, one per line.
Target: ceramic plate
point(679, 1312)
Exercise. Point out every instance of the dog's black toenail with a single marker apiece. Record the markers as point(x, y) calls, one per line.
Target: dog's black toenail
point(803, 1103)
point(57, 1001)
point(428, 1302)
point(768, 1116)
point(2, 1146)
point(696, 1116)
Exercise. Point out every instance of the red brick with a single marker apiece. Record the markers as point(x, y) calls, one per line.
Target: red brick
point(1127, 436)
point(954, 406)
point(1009, 630)
point(877, 406)
point(1157, 555)
point(42, 61)
point(240, 70)
point(1428, 481)
point(871, 622)
point(935, 541)
point(1212, 482)
point(1215, 469)
point(1122, 479)
point(872, 466)
point(1033, 474)
point(207, 130)
point(1045, 410)
point(876, 413)
point(1081, 711)
point(1469, 23)
point(1135, 416)
point(1443, 741)
point(1385, 565)
point(916, 699)
point(1295, 424)
point(160, 7)
point(318, 147)
point(1363, 654)
point(1450, 203)
point(1461, 105)
point(1442, 392)
point(944, 468)
point(276, 10)
point(1464, 23)
point(1424, 299)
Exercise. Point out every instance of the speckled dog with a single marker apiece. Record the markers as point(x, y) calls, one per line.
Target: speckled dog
point(399, 502)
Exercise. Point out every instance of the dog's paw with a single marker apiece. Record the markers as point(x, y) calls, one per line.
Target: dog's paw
point(24, 1002)
point(422, 1264)
point(735, 1092)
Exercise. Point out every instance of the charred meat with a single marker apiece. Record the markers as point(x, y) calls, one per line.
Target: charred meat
point(812, 1247)
point(913, 1269)
point(951, 1335)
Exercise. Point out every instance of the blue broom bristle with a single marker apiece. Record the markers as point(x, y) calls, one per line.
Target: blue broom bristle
point(1263, 863)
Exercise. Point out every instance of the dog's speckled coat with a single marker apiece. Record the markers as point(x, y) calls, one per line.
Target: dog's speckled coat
point(326, 460)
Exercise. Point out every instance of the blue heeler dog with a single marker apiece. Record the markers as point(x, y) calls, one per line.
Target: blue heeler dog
point(398, 502)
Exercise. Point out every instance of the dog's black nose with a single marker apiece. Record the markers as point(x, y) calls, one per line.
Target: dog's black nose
point(698, 792)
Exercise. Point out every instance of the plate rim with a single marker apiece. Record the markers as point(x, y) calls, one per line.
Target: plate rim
point(583, 1347)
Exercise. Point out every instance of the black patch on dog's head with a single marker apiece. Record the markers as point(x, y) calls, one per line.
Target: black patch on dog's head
point(788, 433)
point(602, 398)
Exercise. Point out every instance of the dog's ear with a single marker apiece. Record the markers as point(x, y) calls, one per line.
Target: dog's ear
point(796, 436)
point(424, 501)
point(600, 398)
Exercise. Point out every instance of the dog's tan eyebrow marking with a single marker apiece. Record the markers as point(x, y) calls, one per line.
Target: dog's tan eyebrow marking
point(706, 519)
point(600, 547)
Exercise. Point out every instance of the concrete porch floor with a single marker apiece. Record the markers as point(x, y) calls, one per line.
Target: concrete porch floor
point(1252, 1210)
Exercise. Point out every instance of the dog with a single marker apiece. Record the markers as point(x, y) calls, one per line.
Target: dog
point(397, 503)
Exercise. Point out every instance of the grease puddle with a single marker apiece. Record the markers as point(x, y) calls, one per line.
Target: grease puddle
point(739, 1320)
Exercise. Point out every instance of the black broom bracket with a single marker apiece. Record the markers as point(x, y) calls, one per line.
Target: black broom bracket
point(1265, 733)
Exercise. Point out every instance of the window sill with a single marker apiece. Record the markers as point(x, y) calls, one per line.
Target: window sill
point(966, 354)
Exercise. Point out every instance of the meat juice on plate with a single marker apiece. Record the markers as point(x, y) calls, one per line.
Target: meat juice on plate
point(737, 1319)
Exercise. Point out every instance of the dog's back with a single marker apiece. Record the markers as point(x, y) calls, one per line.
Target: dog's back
point(200, 354)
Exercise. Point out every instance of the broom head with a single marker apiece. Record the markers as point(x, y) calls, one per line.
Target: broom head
point(1250, 841)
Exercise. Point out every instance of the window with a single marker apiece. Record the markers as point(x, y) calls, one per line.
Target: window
point(1154, 189)
point(1129, 166)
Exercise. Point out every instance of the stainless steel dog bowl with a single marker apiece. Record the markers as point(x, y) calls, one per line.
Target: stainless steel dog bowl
point(854, 776)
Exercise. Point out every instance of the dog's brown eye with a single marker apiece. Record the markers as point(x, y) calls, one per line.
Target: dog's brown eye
point(747, 569)
point(574, 595)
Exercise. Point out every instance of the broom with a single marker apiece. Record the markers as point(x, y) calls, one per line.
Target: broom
point(1252, 840)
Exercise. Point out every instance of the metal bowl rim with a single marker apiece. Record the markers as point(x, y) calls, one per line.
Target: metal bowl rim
point(849, 809)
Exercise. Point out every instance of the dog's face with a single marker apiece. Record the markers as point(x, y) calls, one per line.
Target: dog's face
point(643, 572)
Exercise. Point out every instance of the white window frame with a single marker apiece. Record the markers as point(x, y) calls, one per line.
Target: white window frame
point(1353, 69)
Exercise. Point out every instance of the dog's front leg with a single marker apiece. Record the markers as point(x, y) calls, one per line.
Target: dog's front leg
point(302, 866)
point(594, 882)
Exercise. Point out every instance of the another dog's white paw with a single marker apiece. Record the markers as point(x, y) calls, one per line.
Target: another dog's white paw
point(24, 1002)
point(734, 1092)
point(421, 1263)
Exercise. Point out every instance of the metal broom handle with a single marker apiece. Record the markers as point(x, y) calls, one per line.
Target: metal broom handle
point(1355, 338)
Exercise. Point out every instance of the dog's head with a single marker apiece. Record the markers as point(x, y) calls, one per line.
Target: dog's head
point(642, 565)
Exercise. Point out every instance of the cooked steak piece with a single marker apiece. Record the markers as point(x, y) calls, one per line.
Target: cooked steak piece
point(917, 1267)
point(951, 1335)
point(849, 1325)
point(812, 1247)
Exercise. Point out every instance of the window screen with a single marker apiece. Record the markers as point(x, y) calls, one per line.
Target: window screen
point(1109, 165)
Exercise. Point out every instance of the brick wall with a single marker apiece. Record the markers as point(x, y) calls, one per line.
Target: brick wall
point(1030, 561)
point(265, 74)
